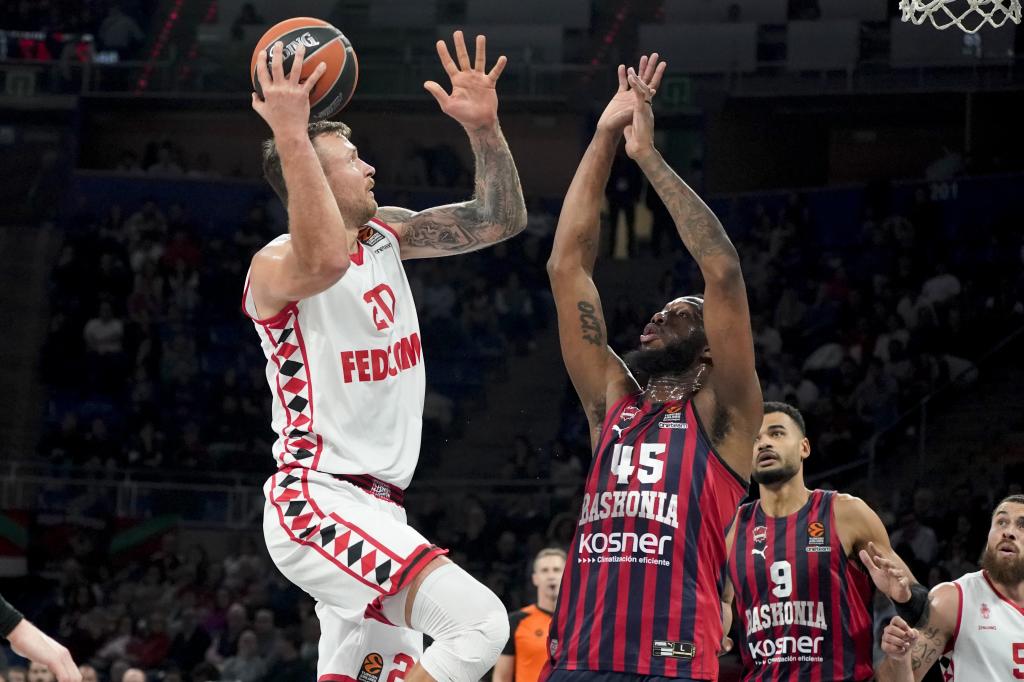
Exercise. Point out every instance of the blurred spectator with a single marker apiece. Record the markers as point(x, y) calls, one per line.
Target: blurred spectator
point(920, 540)
point(623, 193)
point(37, 672)
point(247, 16)
point(16, 673)
point(289, 665)
point(246, 665)
point(133, 675)
point(120, 32)
point(88, 673)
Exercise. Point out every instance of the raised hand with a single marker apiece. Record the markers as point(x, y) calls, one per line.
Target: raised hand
point(640, 132)
point(898, 639)
point(473, 101)
point(890, 579)
point(619, 112)
point(285, 102)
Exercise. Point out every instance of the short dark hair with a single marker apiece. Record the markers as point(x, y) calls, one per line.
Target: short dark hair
point(272, 170)
point(789, 411)
point(1013, 499)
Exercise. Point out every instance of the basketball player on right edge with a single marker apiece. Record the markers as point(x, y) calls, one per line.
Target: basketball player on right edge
point(973, 626)
point(640, 593)
point(335, 315)
point(797, 561)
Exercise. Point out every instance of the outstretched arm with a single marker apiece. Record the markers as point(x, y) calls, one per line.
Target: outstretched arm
point(864, 536)
point(599, 376)
point(497, 210)
point(737, 409)
point(911, 652)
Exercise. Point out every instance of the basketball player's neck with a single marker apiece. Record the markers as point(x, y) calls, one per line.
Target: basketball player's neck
point(783, 499)
point(1014, 592)
point(662, 388)
point(544, 602)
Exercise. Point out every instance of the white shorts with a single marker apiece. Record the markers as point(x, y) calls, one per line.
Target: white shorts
point(349, 550)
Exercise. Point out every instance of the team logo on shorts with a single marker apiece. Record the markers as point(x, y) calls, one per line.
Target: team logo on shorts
point(369, 671)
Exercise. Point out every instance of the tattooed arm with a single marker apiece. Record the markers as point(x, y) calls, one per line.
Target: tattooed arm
point(495, 213)
point(911, 652)
point(497, 210)
point(734, 403)
point(599, 376)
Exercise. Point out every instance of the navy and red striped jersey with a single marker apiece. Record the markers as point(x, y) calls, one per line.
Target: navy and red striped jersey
point(803, 607)
point(641, 590)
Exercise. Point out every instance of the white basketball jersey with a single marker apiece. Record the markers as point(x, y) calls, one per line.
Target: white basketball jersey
point(345, 368)
point(988, 643)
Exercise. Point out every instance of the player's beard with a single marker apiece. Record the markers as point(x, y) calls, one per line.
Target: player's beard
point(673, 358)
point(1005, 571)
point(779, 474)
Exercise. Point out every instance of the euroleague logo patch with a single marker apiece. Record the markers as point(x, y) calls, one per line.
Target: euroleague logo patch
point(369, 671)
point(370, 236)
point(816, 537)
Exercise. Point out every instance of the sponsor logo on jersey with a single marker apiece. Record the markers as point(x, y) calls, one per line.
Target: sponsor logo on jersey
point(377, 364)
point(618, 431)
point(672, 425)
point(797, 612)
point(673, 414)
point(786, 649)
point(381, 300)
point(624, 546)
point(369, 671)
point(382, 249)
point(754, 551)
point(370, 236)
point(645, 504)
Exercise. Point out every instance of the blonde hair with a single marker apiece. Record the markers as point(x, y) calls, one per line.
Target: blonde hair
point(549, 551)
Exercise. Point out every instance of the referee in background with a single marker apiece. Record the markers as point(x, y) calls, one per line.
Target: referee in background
point(527, 650)
point(32, 643)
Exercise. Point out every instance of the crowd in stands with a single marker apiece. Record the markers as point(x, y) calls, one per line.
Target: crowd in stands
point(116, 25)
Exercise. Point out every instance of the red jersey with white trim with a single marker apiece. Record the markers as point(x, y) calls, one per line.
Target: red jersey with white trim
point(988, 643)
point(641, 591)
point(345, 368)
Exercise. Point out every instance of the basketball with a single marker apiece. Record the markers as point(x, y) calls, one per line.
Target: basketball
point(324, 43)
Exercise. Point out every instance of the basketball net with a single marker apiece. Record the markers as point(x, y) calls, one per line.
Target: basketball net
point(946, 13)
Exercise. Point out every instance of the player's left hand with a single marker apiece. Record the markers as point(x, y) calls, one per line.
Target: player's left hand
point(473, 101)
point(727, 645)
point(890, 579)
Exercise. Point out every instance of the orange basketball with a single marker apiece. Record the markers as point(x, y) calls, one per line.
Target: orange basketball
point(324, 43)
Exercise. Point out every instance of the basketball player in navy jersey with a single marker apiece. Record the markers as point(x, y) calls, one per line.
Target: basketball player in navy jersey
point(640, 593)
point(801, 564)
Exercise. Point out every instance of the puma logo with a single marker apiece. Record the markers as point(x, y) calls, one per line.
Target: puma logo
point(760, 552)
point(618, 431)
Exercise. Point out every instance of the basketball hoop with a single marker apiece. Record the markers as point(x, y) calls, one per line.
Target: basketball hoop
point(946, 13)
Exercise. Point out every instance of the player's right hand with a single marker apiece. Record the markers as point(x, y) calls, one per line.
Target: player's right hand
point(29, 641)
point(640, 131)
point(898, 639)
point(619, 112)
point(285, 102)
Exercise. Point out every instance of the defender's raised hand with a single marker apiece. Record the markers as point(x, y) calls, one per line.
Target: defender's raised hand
point(619, 112)
point(285, 102)
point(889, 578)
point(473, 101)
point(640, 132)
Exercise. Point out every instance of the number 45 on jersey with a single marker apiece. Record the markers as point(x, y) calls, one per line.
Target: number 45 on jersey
point(649, 468)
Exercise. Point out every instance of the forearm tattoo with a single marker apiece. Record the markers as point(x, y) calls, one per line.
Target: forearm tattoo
point(496, 212)
point(699, 228)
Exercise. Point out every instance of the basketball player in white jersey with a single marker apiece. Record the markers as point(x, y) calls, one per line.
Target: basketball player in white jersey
point(335, 315)
point(973, 626)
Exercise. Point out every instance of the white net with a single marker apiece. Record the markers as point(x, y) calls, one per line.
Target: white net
point(969, 15)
